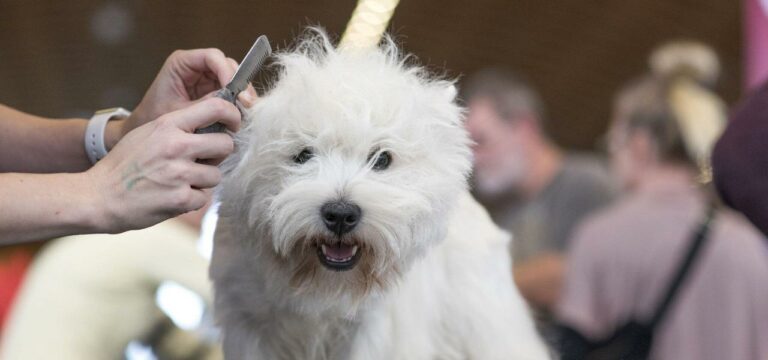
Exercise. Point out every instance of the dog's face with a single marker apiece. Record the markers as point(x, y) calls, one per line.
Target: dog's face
point(349, 167)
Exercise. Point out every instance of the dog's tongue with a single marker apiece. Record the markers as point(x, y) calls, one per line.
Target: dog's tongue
point(339, 251)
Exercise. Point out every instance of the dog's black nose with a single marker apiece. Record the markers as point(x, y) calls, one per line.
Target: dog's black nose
point(340, 217)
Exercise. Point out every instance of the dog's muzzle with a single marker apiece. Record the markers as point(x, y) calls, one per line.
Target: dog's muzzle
point(340, 218)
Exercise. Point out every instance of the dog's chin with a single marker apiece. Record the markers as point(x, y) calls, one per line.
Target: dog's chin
point(338, 255)
point(330, 266)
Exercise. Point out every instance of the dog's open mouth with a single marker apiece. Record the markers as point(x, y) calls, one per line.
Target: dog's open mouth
point(338, 256)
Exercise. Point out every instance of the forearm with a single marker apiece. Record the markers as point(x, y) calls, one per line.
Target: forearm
point(33, 144)
point(45, 206)
point(540, 279)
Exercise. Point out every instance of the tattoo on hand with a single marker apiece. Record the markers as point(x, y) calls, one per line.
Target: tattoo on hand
point(131, 176)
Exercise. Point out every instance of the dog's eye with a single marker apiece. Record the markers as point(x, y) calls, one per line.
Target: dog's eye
point(303, 156)
point(382, 161)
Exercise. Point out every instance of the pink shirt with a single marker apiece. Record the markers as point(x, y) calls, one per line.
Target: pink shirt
point(623, 258)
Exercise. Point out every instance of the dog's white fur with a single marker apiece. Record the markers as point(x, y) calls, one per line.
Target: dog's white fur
point(433, 280)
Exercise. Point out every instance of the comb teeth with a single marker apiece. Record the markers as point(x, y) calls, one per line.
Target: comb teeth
point(250, 64)
point(263, 49)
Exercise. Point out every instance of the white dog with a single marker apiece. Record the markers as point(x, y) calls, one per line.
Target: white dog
point(346, 230)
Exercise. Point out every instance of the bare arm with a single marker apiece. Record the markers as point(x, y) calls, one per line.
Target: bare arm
point(34, 144)
point(540, 279)
point(43, 206)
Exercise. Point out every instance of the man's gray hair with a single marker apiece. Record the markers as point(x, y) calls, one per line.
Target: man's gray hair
point(509, 93)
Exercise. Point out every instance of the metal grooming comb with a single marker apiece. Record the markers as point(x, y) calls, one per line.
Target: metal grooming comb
point(243, 76)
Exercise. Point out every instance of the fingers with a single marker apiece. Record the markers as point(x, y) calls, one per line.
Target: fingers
point(207, 112)
point(220, 65)
point(232, 62)
point(187, 199)
point(201, 176)
point(207, 60)
point(248, 97)
point(210, 146)
point(180, 174)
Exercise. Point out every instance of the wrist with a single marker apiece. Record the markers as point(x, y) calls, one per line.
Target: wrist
point(117, 129)
point(96, 213)
point(113, 132)
point(101, 135)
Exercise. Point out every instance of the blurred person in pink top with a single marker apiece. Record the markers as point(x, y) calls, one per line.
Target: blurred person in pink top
point(623, 258)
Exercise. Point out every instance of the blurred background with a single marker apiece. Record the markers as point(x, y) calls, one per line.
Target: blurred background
point(69, 58)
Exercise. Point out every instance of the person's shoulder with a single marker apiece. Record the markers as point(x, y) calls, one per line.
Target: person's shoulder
point(586, 165)
point(585, 183)
point(606, 224)
point(586, 169)
point(740, 242)
point(735, 225)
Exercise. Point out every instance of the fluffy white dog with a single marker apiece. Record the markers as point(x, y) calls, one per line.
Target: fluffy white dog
point(346, 230)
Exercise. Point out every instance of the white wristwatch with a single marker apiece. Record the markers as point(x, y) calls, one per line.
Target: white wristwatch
point(94, 133)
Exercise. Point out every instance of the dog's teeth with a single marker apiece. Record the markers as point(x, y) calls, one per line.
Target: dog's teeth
point(325, 250)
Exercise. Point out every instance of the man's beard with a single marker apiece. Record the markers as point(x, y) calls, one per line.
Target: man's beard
point(500, 178)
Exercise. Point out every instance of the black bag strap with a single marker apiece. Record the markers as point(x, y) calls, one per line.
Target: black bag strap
point(694, 248)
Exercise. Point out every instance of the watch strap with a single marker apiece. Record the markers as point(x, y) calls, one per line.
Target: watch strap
point(94, 132)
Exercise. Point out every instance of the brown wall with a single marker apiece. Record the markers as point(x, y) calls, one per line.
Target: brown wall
point(576, 51)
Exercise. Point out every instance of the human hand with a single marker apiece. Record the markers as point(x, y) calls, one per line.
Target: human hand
point(158, 170)
point(186, 77)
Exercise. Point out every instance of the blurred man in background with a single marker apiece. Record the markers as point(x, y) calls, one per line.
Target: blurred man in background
point(529, 185)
